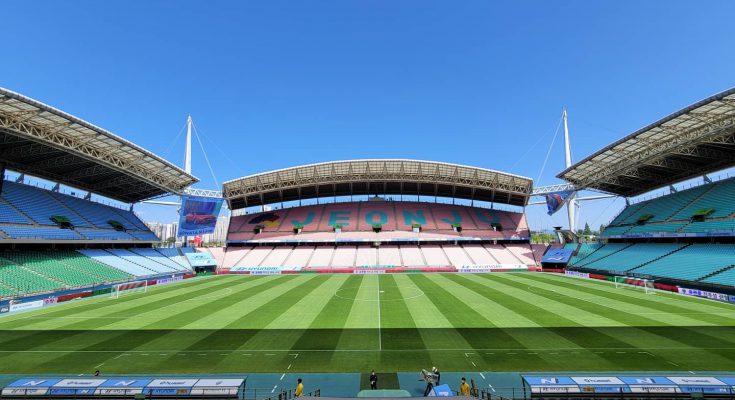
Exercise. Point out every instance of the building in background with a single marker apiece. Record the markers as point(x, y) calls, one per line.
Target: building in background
point(168, 231)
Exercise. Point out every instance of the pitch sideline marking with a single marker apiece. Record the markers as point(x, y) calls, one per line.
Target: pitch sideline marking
point(380, 333)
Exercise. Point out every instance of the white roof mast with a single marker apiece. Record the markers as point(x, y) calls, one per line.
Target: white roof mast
point(568, 163)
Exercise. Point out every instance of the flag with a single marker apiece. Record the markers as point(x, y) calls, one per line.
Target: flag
point(556, 200)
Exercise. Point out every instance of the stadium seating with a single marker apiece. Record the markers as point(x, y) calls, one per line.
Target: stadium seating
point(395, 218)
point(90, 266)
point(21, 280)
point(344, 256)
point(522, 252)
point(615, 230)
point(412, 256)
point(38, 204)
point(145, 262)
point(300, 256)
point(584, 250)
point(389, 255)
point(665, 207)
point(254, 257)
point(174, 255)
point(603, 252)
point(672, 214)
point(117, 262)
point(351, 256)
point(107, 234)
point(50, 268)
point(719, 198)
point(26, 213)
point(434, 256)
point(158, 257)
point(218, 253)
point(725, 225)
point(634, 256)
point(457, 255)
point(40, 233)
point(144, 235)
point(692, 262)
point(366, 256)
point(726, 277)
point(277, 257)
point(479, 254)
point(8, 214)
point(321, 257)
point(501, 253)
point(651, 228)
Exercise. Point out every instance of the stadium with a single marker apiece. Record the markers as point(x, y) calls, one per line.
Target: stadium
point(334, 269)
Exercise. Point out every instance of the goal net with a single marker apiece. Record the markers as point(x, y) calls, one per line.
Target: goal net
point(128, 288)
point(625, 282)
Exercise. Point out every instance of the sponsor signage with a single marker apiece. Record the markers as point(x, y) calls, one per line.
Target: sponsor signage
point(475, 268)
point(213, 387)
point(198, 215)
point(696, 381)
point(597, 380)
point(653, 389)
point(549, 380)
point(26, 306)
point(706, 294)
point(4, 309)
point(264, 270)
point(172, 383)
point(169, 280)
point(117, 387)
point(630, 384)
point(123, 387)
point(577, 274)
point(365, 271)
point(29, 387)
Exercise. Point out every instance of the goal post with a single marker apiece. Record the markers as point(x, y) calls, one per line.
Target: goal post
point(128, 288)
point(644, 285)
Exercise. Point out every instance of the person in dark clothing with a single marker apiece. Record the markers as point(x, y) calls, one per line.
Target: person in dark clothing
point(373, 380)
point(429, 386)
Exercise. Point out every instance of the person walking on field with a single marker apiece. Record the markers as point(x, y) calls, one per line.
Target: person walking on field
point(373, 381)
point(464, 388)
point(299, 388)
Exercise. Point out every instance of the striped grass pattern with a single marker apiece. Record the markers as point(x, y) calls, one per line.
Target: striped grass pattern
point(390, 323)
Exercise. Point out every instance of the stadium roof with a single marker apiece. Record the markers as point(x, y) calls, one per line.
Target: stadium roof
point(689, 143)
point(367, 177)
point(42, 141)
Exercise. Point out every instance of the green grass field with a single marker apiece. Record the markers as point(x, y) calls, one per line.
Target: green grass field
point(402, 322)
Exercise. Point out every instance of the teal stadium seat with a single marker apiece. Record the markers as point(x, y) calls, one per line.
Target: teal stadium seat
point(585, 249)
point(719, 198)
point(603, 251)
point(634, 256)
point(691, 263)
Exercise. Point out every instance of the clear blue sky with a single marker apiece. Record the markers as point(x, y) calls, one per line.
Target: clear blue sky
point(273, 84)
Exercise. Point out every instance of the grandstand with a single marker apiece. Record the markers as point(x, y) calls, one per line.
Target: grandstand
point(58, 242)
point(684, 238)
point(381, 231)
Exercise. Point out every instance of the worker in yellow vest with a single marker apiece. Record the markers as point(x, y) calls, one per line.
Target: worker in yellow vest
point(464, 388)
point(299, 388)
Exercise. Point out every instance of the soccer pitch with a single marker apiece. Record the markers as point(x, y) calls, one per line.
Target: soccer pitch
point(355, 323)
